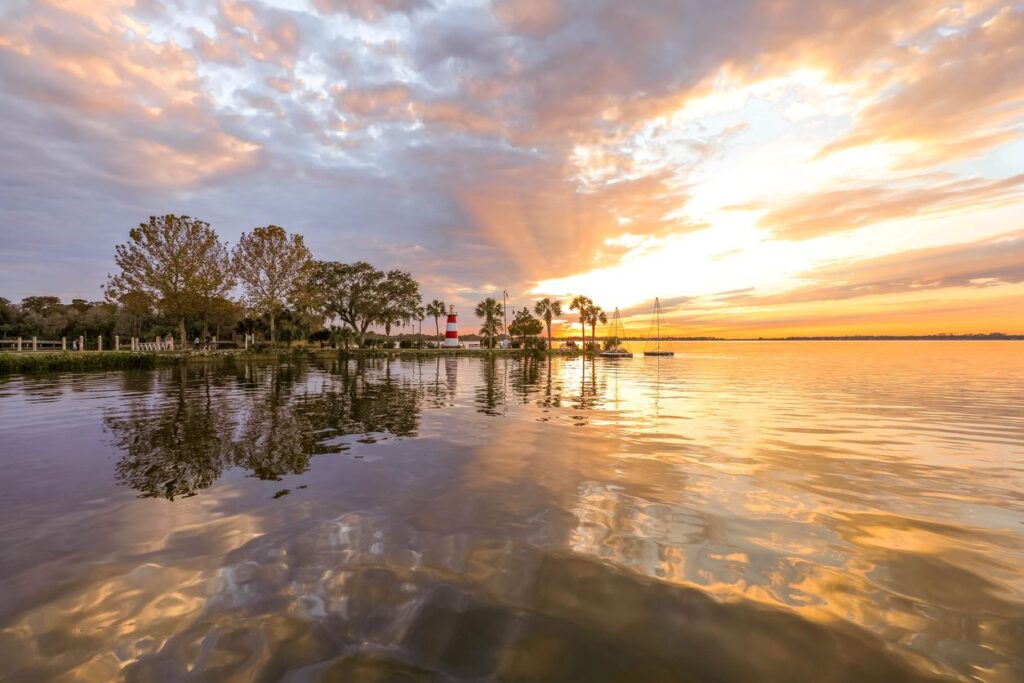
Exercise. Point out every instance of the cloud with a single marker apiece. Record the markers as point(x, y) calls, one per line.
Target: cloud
point(514, 142)
point(133, 110)
point(957, 98)
point(371, 10)
point(982, 264)
point(822, 213)
point(531, 16)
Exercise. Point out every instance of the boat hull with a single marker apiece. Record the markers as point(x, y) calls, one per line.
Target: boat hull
point(616, 354)
point(659, 353)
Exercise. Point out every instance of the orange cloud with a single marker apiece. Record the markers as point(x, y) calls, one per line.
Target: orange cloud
point(151, 120)
point(370, 10)
point(982, 264)
point(832, 211)
point(530, 16)
point(958, 98)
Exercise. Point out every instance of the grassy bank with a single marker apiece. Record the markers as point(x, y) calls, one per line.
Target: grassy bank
point(64, 361)
point(88, 360)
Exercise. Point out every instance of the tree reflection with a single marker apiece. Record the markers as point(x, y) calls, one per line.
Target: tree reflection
point(490, 394)
point(269, 420)
point(176, 445)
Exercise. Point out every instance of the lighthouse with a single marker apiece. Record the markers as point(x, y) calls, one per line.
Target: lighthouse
point(451, 331)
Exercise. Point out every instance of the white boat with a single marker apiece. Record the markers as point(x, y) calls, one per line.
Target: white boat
point(657, 326)
point(616, 350)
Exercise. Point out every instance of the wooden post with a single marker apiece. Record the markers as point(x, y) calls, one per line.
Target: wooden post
point(117, 342)
point(246, 341)
point(99, 343)
point(35, 344)
point(81, 343)
point(63, 343)
point(19, 343)
point(135, 343)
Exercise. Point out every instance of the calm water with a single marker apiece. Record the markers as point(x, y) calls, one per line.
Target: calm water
point(740, 512)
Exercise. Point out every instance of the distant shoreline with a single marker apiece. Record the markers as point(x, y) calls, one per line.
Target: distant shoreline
point(994, 336)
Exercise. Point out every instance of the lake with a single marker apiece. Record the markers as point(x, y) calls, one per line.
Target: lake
point(746, 511)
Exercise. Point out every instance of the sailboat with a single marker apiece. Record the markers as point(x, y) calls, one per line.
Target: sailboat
point(615, 348)
point(657, 327)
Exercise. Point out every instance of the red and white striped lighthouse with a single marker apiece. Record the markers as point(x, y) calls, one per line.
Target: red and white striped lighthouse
point(451, 331)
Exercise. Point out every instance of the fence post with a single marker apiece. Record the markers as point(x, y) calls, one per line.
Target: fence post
point(135, 343)
point(117, 342)
point(81, 343)
point(63, 343)
point(99, 343)
point(35, 343)
point(19, 343)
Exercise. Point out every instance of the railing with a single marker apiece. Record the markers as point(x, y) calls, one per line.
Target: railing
point(29, 344)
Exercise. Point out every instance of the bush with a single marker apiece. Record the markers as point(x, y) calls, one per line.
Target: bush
point(320, 335)
point(536, 344)
point(68, 360)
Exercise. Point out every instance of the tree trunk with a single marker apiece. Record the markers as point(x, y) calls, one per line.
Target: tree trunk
point(273, 337)
point(437, 330)
point(181, 331)
point(583, 335)
point(549, 334)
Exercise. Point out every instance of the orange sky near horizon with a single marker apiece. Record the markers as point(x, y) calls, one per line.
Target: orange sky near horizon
point(766, 169)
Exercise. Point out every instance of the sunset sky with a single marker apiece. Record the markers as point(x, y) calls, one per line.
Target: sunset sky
point(766, 168)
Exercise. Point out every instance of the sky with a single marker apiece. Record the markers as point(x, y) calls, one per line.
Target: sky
point(774, 167)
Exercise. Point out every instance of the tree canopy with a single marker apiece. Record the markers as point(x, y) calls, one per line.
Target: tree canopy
point(547, 309)
point(400, 300)
point(525, 325)
point(274, 268)
point(491, 311)
point(360, 295)
point(177, 261)
point(436, 310)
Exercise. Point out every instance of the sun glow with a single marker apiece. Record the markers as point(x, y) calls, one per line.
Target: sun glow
point(771, 148)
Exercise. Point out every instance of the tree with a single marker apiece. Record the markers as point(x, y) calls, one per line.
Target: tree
point(42, 305)
point(595, 314)
point(9, 316)
point(436, 309)
point(223, 314)
point(491, 311)
point(274, 269)
point(134, 309)
point(547, 309)
point(399, 301)
point(350, 292)
point(177, 261)
point(581, 304)
point(525, 325)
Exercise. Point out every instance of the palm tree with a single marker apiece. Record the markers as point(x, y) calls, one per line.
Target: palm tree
point(581, 303)
point(436, 309)
point(490, 310)
point(547, 309)
point(595, 315)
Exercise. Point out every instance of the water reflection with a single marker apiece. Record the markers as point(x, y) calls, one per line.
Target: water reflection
point(740, 512)
point(269, 420)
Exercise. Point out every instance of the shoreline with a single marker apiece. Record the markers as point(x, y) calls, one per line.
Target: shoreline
point(13, 362)
point(62, 361)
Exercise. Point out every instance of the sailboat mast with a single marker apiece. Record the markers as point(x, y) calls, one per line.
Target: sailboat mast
point(657, 319)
